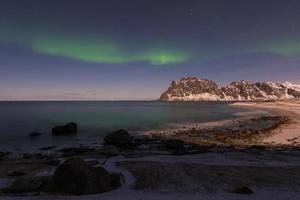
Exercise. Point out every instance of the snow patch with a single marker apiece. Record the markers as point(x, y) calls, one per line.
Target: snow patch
point(292, 86)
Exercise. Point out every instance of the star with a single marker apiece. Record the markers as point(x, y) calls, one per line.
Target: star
point(189, 13)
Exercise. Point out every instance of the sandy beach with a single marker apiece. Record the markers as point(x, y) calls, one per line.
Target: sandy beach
point(286, 134)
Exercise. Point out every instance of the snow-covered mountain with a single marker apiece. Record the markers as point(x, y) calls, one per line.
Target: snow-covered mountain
point(292, 86)
point(195, 89)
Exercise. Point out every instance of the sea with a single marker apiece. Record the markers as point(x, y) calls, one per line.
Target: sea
point(95, 119)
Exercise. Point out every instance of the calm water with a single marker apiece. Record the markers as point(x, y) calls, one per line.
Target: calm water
point(95, 119)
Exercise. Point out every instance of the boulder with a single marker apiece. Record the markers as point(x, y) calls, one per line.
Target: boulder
point(258, 147)
point(70, 128)
point(120, 138)
point(3, 155)
point(16, 173)
point(92, 162)
point(110, 150)
point(75, 151)
point(47, 148)
point(33, 156)
point(242, 190)
point(174, 144)
point(28, 184)
point(35, 134)
point(76, 177)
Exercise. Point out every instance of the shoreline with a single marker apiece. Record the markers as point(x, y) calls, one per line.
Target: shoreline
point(257, 114)
point(157, 167)
point(288, 133)
point(276, 125)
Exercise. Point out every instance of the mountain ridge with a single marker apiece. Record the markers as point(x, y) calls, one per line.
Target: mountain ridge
point(197, 89)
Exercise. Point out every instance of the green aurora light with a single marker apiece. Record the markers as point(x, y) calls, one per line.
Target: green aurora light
point(95, 50)
point(287, 48)
point(104, 52)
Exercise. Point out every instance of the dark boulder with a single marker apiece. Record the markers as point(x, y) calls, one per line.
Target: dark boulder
point(35, 134)
point(258, 147)
point(47, 148)
point(93, 162)
point(3, 155)
point(33, 156)
point(70, 128)
point(53, 162)
point(174, 144)
point(110, 150)
point(120, 138)
point(28, 184)
point(75, 151)
point(242, 190)
point(16, 173)
point(75, 176)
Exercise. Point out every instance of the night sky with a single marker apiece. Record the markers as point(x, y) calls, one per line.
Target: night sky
point(132, 49)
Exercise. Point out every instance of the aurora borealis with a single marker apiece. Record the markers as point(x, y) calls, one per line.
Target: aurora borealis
point(75, 49)
point(104, 52)
point(97, 50)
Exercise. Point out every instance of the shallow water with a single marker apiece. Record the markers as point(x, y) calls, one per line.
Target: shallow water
point(96, 118)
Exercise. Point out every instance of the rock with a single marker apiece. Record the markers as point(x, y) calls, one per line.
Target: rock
point(74, 176)
point(242, 190)
point(174, 144)
point(109, 150)
point(33, 156)
point(16, 173)
point(70, 128)
point(35, 134)
point(142, 140)
point(47, 148)
point(53, 162)
point(258, 147)
point(92, 162)
point(193, 131)
point(28, 184)
point(81, 149)
point(120, 138)
point(294, 93)
point(3, 154)
point(74, 151)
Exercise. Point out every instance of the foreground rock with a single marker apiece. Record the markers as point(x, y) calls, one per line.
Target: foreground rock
point(3, 155)
point(174, 144)
point(119, 138)
point(110, 150)
point(242, 190)
point(29, 184)
point(70, 128)
point(35, 134)
point(74, 176)
point(75, 151)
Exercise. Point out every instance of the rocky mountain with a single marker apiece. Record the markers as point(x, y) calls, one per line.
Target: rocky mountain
point(195, 89)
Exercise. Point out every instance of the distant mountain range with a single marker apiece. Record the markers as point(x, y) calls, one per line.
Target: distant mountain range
point(196, 89)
